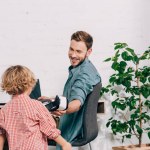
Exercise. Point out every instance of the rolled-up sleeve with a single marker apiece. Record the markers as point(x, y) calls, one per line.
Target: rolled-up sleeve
point(81, 88)
point(47, 123)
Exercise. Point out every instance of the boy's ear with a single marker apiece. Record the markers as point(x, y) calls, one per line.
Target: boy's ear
point(89, 51)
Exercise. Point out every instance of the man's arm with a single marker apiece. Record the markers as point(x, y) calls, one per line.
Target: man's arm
point(73, 106)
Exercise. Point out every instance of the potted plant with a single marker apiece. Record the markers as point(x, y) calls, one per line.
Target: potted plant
point(129, 88)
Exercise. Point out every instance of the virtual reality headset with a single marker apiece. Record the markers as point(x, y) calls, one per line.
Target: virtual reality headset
point(59, 103)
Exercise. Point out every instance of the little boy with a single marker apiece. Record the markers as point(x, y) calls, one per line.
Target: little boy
point(25, 122)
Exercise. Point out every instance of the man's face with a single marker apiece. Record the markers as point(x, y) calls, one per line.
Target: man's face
point(78, 52)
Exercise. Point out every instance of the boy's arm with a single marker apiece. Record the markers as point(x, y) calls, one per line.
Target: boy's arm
point(63, 143)
point(2, 141)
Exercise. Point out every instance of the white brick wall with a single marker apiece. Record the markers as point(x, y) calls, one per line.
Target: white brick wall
point(37, 34)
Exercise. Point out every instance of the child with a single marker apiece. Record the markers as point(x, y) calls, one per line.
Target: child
point(25, 122)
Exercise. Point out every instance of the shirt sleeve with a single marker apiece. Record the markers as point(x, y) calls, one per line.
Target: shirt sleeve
point(47, 123)
point(81, 88)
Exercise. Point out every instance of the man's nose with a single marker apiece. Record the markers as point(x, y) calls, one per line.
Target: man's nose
point(74, 54)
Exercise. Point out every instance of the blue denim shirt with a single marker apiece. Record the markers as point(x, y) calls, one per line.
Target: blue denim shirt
point(79, 84)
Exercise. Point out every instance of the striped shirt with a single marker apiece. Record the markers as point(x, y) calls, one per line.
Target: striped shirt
point(27, 124)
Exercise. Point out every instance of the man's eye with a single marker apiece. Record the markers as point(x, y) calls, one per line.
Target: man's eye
point(79, 52)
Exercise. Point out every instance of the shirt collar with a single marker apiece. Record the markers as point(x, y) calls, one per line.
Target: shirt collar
point(73, 69)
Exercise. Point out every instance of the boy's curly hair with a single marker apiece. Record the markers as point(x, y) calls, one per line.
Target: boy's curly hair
point(17, 79)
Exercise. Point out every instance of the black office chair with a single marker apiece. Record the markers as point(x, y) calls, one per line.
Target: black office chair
point(90, 127)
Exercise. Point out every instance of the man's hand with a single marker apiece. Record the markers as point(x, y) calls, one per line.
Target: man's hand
point(59, 112)
point(73, 106)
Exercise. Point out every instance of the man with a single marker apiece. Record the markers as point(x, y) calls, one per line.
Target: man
point(82, 77)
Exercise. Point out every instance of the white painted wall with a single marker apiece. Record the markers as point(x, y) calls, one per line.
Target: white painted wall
point(37, 34)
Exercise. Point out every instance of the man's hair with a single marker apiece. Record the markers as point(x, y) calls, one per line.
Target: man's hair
point(17, 79)
point(84, 37)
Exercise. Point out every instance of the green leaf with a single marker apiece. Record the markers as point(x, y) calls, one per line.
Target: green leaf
point(143, 57)
point(130, 69)
point(138, 73)
point(111, 118)
point(131, 51)
point(146, 55)
point(115, 66)
point(143, 79)
point(145, 90)
point(131, 123)
point(134, 116)
point(107, 125)
point(126, 83)
point(114, 92)
point(120, 45)
point(147, 103)
point(139, 130)
point(136, 90)
point(117, 47)
point(147, 129)
point(136, 59)
point(112, 79)
point(123, 64)
point(146, 71)
point(149, 135)
point(108, 59)
point(128, 136)
point(125, 56)
point(118, 105)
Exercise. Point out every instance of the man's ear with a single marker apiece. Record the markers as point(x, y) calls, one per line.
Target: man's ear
point(89, 51)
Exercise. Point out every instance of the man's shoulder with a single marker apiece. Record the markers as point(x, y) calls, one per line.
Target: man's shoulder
point(88, 67)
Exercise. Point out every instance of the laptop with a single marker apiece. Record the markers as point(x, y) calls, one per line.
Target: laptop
point(36, 92)
point(4, 98)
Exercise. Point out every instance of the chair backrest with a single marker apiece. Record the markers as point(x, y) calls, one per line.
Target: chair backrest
point(90, 127)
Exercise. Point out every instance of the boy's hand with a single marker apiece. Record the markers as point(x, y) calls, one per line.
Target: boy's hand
point(67, 146)
point(59, 112)
point(63, 143)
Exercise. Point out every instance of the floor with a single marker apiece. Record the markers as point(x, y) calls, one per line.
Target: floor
point(86, 147)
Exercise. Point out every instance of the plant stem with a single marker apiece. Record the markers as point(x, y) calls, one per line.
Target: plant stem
point(131, 127)
point(140, 105)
